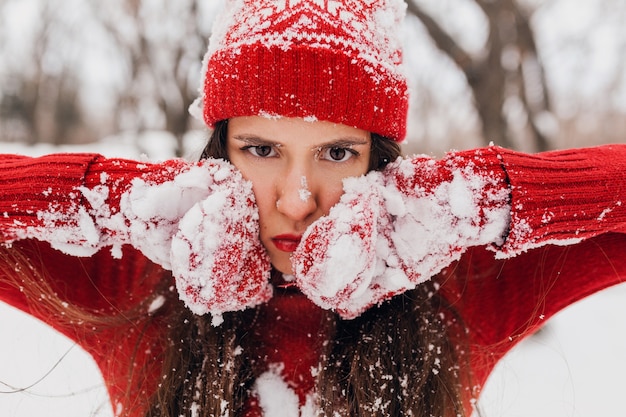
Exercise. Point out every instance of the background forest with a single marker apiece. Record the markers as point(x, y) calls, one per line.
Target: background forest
point(526, 74)
point(117, 76)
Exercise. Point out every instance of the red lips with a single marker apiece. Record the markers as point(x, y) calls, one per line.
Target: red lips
point(287, 242)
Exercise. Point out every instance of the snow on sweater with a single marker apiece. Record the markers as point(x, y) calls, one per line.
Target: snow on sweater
point(573, 198)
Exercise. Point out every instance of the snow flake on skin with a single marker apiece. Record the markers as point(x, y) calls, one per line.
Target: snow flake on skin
point(303, 192)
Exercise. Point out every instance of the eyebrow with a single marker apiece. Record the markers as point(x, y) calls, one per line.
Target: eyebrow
point(344, 142)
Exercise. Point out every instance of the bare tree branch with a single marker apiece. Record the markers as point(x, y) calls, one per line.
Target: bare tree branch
point(443, 41)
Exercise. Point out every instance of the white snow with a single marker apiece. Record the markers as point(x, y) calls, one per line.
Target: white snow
point(275, 396)
point(277, 399)
point(304, 192)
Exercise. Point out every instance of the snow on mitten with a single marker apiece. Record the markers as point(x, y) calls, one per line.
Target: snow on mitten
point(81, 203)
point(141, 203)
point(392, 230)
point(217, 258)
point(443, 207)
point(345, 261)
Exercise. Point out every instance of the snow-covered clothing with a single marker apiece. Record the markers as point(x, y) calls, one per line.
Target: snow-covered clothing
point(338, 60)
point(564, 239)
point(169, 211)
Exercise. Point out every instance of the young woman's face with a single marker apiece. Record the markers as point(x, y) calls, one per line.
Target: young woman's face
point(296, 168)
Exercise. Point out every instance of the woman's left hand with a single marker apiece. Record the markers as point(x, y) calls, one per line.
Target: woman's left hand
point(346, 261)
point(394, 229)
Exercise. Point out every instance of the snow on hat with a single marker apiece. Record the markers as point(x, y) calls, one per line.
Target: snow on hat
point(333, 60)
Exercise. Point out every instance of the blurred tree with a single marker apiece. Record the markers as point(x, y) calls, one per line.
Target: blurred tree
point(506, 74)
point(159, 44)
point(40, 100)
point(162, 44)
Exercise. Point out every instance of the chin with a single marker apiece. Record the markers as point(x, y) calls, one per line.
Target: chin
point(285, 271)
point(283, 266)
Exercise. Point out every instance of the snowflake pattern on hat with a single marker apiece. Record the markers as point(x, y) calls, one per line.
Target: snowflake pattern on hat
point(364, 26)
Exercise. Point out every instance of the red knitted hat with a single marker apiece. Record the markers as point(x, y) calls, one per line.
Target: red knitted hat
point(333, 60)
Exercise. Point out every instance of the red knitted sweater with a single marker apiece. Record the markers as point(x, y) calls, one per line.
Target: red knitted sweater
point(573, 198)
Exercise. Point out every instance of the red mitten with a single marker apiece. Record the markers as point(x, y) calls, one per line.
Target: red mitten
point(345, 261)
point(141, 204)
point(443, 207)
point(83, 203)
point(218, 260)
point(417, 217)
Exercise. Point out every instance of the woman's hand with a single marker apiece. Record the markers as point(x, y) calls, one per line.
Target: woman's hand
point(200, 220)
point(392, 230)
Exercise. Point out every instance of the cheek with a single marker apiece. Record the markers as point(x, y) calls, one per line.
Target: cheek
point(265, 199)
point(331, 195)
point(261, 184)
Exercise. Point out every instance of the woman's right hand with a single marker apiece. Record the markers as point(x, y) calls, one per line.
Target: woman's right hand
point(201, 221)
point(217, 258)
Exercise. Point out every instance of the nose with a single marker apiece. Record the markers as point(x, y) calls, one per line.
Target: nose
point(297, 196)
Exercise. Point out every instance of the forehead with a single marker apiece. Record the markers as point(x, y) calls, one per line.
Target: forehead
point(293, 131)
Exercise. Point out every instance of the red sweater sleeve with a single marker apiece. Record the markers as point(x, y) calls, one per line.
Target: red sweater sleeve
point(30, 185)
point(71, 200)
point(98, 282)
point(567, 241)
point(563, 197)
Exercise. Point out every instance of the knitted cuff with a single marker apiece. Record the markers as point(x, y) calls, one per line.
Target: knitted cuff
point(116, 176)
point(563, 197)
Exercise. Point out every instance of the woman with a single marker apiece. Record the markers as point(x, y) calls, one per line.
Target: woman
point(317, 274)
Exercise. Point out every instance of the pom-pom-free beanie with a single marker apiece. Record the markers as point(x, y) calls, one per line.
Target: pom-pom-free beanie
point(338, 61)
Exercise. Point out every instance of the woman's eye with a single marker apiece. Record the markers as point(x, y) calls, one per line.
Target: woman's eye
point(338, 154)
point(262, 151)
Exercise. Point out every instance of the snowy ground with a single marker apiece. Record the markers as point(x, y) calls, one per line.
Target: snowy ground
point(574, 368)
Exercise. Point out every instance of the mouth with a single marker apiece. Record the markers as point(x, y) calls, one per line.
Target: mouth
point(286, 243)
